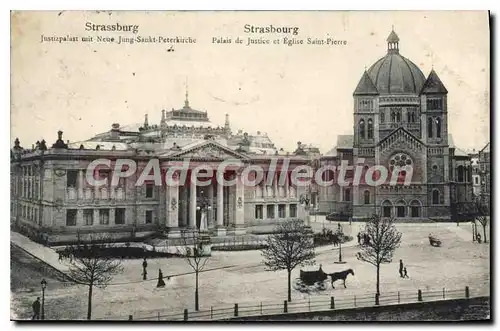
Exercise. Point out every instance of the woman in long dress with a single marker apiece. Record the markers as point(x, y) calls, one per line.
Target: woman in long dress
point(161, 283)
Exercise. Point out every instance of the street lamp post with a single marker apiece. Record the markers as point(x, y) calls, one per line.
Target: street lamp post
point(44, 285)
point(340, 234)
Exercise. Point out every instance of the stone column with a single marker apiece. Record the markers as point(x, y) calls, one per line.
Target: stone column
point(96, 217)
point(210, 212)
point(80, 184)
point(239, 208)
point(192, 202)
point(79, 217)
point(185, 204)
point(172, 210)
point(221, 231)
point(287, 186)
point(112, 216)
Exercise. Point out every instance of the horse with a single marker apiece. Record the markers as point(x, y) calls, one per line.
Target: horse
point(341, 275)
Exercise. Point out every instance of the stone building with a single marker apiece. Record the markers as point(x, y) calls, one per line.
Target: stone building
point(400, 118)
point(51, 196)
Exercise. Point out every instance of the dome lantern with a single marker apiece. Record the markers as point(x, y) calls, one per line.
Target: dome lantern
point(393, 42)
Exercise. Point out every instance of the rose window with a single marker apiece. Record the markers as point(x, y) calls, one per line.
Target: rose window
point(400, 160)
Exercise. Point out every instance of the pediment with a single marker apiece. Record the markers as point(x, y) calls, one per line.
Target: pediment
point(401, 137)
point(209, 151)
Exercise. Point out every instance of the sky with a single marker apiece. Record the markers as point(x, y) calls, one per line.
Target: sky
point(293, 93)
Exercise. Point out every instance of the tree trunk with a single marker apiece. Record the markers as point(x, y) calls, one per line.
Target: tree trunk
point(196, 299)
point(378, 279)
point(484, 233)
point(289, 285)
point(89, 304)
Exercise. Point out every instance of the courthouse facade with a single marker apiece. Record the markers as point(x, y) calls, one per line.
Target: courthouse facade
point(51, 196)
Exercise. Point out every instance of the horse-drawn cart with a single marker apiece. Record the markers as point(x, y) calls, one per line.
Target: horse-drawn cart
point(434, 241)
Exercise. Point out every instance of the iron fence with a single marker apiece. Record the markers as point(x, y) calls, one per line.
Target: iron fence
point(322, 303)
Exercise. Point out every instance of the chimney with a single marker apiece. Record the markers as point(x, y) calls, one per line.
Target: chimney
point(115, 131)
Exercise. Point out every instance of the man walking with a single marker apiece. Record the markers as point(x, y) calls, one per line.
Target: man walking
point(144, 270)
point(401, 268)
point(36, 309)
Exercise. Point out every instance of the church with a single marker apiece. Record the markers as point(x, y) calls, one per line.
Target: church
point(400, 117)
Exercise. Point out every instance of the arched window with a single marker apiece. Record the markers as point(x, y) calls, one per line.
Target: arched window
point(460, 174)
point(347, 194)
point(415, 208)
point(386, 208)
point(408, 115)
point(366, 196)
point(438, 127)
point(393, 117)
point(362, 129)
point(370, 129)
point(435, 197)
point(400, 209)
point(382, 117)
point(398, 116)
point(429, 127)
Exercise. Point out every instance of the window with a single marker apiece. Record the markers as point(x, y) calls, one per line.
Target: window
point(72, 178)
point(149, 190)
point(104, 216)
point(429, 127)
point(370, 129)
point(365, 105)
point(270, 211)
point(435, 197)
point(382, 117)
point(393, 116)
point(71, 217)
point(415, 208)
point(434, 104)
point(259, 212)
point(367, 197)
point(476, 180)
point(281, 211)
point(400, 211)
point(149, 216)
point(105, 174)
point(438, 127)
point(120, 216)
point(398, 116)
point(347, 194)
point(88, 217)
point(460, 174)
point(293, 210)
point(386, 209)
point(362, 129)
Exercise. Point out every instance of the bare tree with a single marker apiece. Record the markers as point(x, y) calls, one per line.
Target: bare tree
point(195, 253)
point(90, 265)
point(291, 245)
point(482, 213)
point(384, 238)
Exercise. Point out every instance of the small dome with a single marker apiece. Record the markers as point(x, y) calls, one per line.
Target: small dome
point(395, 74)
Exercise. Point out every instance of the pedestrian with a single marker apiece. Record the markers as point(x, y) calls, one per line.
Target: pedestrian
point(478, 238)
point(401, 268)
point(144, 270)
point(36, 309)
point(359, 238)
point(405, 272)
point(60, 256)
point(161, 283)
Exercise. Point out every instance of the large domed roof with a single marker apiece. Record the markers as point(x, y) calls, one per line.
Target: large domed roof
point(395, 74)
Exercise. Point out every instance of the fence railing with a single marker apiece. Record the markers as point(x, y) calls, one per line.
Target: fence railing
point(308, 305)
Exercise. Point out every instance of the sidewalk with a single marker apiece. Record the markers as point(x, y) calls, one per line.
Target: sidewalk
point(46, 254)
